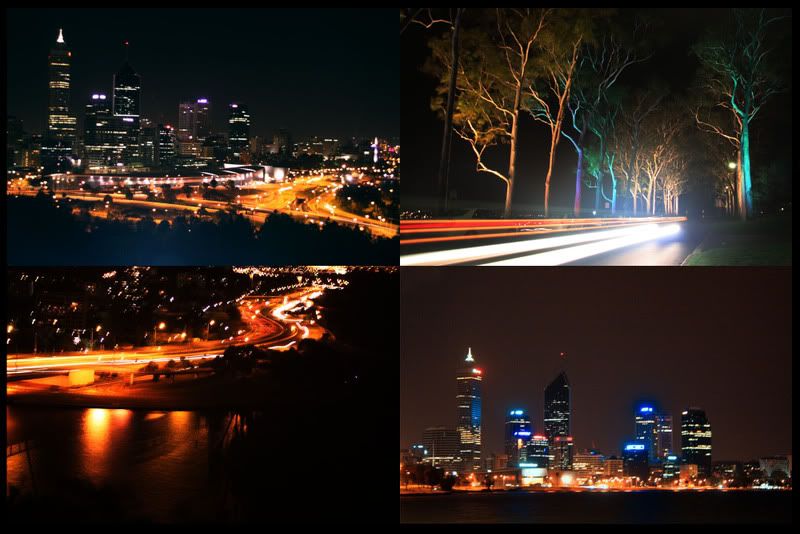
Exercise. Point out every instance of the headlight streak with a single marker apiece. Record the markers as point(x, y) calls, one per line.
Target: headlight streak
point(485, 252)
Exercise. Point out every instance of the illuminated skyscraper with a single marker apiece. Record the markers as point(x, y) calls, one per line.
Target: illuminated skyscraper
point(469, 412)
point(646, 429)
point(127, 90)
point(518, 433)
point(238, 130)
point(664, 446)
point(102, 133)
point(167, 146)
point(194, 120)
point(60, 124)
point(443, 448)
point(557, 400)
point(696, 440)
point(635, 460)
point(538, 452)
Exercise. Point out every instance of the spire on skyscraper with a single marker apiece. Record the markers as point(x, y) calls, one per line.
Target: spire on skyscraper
point(469, 355)
point(60, 36)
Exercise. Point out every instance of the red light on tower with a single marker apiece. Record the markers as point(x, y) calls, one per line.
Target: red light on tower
point(476, 371)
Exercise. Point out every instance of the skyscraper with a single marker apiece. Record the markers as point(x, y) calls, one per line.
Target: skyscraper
point(518, 432)
point(645, 424)
point(127, 89)
point(102, 134)
point(166, 148)
point(696, 440)
point(194, 120)
point(468, 398)
point(538, 452)
point(635, 460)
point(443, 445)
point(238, 130)
point(60, 124)
point(664, 446)
point(557, 402)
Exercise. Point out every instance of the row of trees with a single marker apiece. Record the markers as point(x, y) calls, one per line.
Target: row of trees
point(562, 68)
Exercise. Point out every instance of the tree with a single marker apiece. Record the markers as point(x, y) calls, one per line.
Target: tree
point(493, 74)
point(454, 22)
point(660, 151)
point(737, 78)
point(560, 45)
point(599, 69)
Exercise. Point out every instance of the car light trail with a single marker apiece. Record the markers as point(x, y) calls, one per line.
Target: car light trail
point(570, 254)
point(485, 252)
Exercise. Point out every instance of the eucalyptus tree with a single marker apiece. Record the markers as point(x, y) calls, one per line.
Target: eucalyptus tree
point(452, 19)
point(559, 48)
point(598, 71)
point(493, 70)
point(737, 77)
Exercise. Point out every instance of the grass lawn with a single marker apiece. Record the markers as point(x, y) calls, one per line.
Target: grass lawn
point(760, 242)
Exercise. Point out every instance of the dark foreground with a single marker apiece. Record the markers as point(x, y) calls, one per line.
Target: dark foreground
point(757, 506)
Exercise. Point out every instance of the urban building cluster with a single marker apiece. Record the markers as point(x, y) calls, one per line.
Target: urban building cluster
point(117, 138)
point(548, 458)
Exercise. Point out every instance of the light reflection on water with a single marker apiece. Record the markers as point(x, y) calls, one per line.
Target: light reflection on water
point(157, 461)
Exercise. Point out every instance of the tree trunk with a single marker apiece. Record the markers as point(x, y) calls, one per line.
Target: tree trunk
point(744, 165)
point(553, 146)
point(444, 160)
point(598, 193)
point(512, 161)
point(578, 179)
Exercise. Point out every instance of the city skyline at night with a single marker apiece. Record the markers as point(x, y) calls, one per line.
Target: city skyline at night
point(283, 66)
point(699, 366)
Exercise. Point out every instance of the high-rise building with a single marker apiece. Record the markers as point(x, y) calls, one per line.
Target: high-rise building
point(518, 432)
point(238, 130)
point(696, 440)
point(194, 120)
point(557, 402)
point(664, 446)
point(167, 146)
point(102, 134)
point(614, 467)
point(127, 91)
point(468, 399)
point(444, 447)
point(645, 423)
point(148, 141)
point(635, 458)
point(61, 125)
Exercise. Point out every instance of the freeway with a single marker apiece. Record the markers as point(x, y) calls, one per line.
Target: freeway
point(527, 242)
point(318, 206)
point(267, 321)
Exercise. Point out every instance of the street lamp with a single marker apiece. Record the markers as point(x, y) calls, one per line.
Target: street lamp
point(731, 165)
point(91, 339)
point(208, 327)
point(161, 326)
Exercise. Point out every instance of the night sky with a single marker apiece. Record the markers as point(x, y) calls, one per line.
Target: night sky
point(673, 32)
point(314, 72)
point(719, 339)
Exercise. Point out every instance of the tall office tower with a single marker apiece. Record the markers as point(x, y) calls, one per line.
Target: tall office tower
point(167, 146)
point(202, 119)
point(664, 445)
point(185, 122)
point(518, 433)
point(148, 140)
point(444, 448)
point(127, 91)
point(468, 398)
point(61, 125)
point(557, 402)
point(238, 130)
point(645, 423)
point(100, 134)
point(696, 440)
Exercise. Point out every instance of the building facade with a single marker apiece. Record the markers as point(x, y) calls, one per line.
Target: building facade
point(696, 440)
point(557, 401)
point(468, 399)
point(518, 432)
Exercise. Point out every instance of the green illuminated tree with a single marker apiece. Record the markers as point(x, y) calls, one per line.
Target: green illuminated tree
point(737, 79)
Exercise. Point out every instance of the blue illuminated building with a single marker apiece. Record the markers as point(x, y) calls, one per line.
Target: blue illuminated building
point(518, 434)
point(635, 460)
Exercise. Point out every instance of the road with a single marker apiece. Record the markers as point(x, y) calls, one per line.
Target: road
point(318, 207)
point(651, 241)
point(267, 325)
